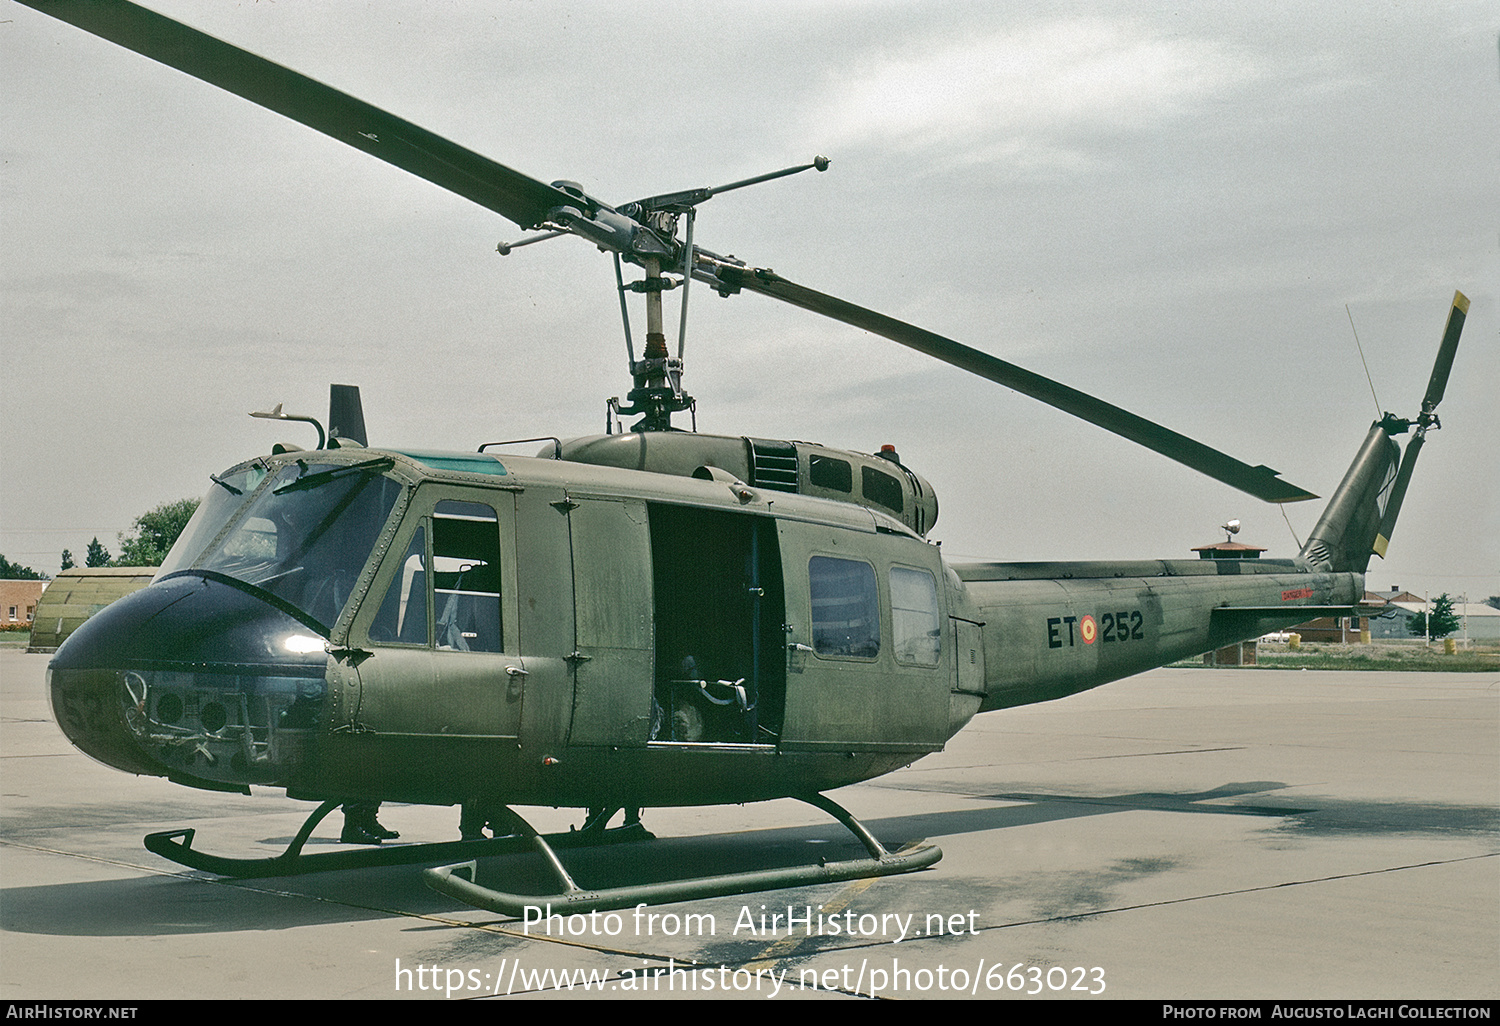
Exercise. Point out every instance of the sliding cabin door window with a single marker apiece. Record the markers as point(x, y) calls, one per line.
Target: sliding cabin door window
point(845, 608)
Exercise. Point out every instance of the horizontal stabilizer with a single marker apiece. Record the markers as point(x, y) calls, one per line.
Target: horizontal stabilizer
point(1248, 621)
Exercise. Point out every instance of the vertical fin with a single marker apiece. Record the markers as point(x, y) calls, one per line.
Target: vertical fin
point(1344, 537)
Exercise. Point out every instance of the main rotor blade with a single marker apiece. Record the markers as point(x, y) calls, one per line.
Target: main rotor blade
point(508, 193)
point(1261, 481)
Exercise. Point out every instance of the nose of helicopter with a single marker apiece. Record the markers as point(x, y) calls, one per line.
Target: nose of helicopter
point(195, 679)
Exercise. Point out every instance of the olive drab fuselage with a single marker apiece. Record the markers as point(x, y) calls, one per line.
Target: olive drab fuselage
point(652, 617)
point(465, 627)
point(645, 618)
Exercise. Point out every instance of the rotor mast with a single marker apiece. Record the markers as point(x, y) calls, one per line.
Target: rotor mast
point(658, 375)
point(645, 233)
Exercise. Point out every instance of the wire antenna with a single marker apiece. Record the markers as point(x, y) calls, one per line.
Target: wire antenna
point(1378, 409)
point(1289, 526)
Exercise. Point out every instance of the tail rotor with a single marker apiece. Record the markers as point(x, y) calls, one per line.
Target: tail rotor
point(1358, 520)
point(1428, 418)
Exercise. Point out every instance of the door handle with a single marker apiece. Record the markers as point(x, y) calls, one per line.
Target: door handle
point(517, 678)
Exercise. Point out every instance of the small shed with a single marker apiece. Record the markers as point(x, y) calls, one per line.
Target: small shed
point(1228, 550)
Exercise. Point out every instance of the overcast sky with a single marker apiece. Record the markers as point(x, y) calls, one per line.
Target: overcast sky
point(1168, 205)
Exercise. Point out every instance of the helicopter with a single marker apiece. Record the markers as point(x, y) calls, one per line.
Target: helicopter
point(649, 617)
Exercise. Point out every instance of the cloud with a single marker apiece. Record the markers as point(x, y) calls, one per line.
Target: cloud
point(1032, 96)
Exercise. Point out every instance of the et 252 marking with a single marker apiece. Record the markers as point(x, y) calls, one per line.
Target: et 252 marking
point(1125, 625)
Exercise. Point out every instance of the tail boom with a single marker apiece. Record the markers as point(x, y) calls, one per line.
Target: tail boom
point(1054, 629)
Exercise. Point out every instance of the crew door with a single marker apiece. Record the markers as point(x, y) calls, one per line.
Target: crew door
point(443, 659)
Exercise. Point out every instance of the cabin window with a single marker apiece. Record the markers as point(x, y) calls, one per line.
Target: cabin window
point(466, 577)
point(827, 472)
point(459, 580)
point(403, 612)
point(916, 630)
point(845, 608)
point(882, 488)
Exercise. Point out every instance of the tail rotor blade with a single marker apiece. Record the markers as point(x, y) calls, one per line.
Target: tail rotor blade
point(1436, 386)
point(1438, 383)
point(1398, 493)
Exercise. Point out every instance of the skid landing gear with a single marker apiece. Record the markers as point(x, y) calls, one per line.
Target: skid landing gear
point(461, 881)
point(177, 845)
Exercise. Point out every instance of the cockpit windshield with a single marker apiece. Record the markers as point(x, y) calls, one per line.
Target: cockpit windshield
point(303, 536)
point(229, 493)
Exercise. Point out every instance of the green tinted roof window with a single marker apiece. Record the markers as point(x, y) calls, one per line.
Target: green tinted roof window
point(458, 462)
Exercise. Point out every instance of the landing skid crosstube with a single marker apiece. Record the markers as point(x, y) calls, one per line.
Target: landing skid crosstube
point(460, 881)
point(177, 845)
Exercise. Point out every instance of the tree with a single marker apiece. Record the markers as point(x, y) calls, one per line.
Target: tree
point(97, 555)
point(67, 560)
point(1440, 624)
point(16, 572)
point(154, 533)
point(1493, 600)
